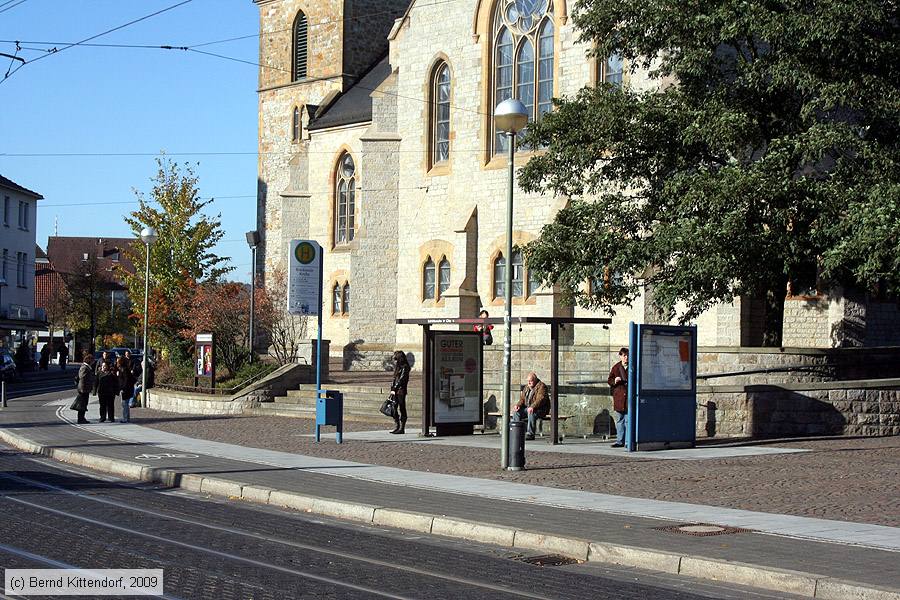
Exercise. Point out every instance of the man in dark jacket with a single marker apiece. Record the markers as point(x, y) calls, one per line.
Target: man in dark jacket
point(533, 404)
point(84, 386)
point(107, 388)
point(618, 382)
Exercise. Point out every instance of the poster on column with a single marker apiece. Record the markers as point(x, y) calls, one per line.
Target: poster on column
point(666, 358)
point(457, 377)
point(305, 278)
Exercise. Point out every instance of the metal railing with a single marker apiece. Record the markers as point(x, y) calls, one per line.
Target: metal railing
point(216, 391)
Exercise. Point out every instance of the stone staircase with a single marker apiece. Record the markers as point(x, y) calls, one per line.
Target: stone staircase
point(361, 402)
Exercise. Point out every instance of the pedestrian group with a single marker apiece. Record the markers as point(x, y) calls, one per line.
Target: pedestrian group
point(108, 379)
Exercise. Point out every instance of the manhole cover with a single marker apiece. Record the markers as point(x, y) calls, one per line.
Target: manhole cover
point(547, 560)
point(701, 529)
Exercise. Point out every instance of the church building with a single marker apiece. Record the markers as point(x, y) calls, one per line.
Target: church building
point(376, 139)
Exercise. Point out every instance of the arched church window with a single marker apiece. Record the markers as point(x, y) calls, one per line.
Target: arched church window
point(428, 280)
point(345, 201)
point(440, 117)
point(523, 57)
point(296, 125)
point(611, 69)
point(443, 276)
point(301, 39)
point(346, 298)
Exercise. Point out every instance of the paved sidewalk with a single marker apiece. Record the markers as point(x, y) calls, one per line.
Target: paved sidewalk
point(555, 518)
point(842, 479)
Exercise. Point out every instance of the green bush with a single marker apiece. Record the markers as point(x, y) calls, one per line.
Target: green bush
point(246, 372)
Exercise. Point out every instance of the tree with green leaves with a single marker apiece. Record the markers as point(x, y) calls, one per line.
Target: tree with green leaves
point(181, 257)
point(763, 152)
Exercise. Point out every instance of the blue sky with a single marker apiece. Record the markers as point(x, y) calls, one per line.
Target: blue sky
point(101, 100)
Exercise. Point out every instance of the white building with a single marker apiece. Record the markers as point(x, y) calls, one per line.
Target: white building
point(18, 221)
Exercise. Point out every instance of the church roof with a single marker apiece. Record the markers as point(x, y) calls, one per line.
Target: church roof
point(354, 105)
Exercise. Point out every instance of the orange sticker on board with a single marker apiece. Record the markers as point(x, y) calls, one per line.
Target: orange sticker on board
point(684, 350)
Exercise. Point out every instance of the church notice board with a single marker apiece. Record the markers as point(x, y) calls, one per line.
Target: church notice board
point(456, 377)
point(662, 387)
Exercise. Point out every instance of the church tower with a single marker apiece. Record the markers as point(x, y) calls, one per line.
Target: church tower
point(310, 52)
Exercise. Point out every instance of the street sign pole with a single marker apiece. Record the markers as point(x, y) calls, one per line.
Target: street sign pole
point(319, 338)
point(305, 295)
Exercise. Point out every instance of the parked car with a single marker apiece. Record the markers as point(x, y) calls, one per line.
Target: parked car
point(8, 370)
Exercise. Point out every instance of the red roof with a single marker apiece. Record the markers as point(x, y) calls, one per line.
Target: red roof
point(67, 253)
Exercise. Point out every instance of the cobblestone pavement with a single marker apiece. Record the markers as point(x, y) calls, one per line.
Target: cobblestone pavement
point(846, 479)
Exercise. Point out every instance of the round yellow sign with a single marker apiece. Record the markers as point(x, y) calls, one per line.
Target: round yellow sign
point(305, 253)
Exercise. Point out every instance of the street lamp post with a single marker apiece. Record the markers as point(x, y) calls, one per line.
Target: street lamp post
point(149, 237)
point(253, 242)
point(510, 117)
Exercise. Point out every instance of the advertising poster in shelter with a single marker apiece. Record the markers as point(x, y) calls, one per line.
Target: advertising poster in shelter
point(205, 357)
point(666, 358)
point(456, 377)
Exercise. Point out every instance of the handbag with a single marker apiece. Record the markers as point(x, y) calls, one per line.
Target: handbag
point(389, 407)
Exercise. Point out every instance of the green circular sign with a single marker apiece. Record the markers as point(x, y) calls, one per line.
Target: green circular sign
point(305, 253)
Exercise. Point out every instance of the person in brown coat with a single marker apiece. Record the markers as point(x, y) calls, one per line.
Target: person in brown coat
point(618, 383)
point(533, 404)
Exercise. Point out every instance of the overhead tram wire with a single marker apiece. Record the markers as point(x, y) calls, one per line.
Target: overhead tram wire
point(93, 37)
point(17, 3)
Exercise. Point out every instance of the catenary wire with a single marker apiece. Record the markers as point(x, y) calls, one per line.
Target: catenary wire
point(95, 36)
point(19, 3)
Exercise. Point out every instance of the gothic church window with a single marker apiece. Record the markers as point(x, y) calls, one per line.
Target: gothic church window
point(611, 70)
point(301, 35)
point(440, 117)
point(522, 282)
point(444, 276)
point(296, 125)
point(428, 280)
point(346, 298)
point(345, 201)
point(523, 54)
point(340, 299)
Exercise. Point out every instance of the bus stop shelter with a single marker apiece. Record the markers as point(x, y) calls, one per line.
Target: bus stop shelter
point(553, 322)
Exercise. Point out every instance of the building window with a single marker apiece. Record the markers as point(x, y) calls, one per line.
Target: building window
point(345, 201)
point(5, 262)
point(440, 118)
point(521, 281)
point(523, 57)
point(296, 125)
point(336, 299)
point(301, 35)
point(346, 299)
point(6, 211)
point(23, 215)
point(428, 280)
point(21, 261)
point(611, 70)
point(443, 277)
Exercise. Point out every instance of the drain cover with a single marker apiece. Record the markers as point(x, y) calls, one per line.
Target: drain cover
point(701, 529)
point(547, 560)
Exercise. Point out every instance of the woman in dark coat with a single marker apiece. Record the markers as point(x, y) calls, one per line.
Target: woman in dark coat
point(127, 381)
point(398, 390)
point(107, 390)
point(85, 383)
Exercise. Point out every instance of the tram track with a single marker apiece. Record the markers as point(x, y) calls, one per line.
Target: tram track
point(354, 559)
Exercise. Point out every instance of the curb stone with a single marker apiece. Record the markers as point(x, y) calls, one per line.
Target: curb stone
point(805, 584)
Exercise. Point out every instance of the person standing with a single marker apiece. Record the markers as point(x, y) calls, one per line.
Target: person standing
point(127, 380)
point(487, 338)
point(107, 389)
point(84, 386)
point(398, 390)
point(63, 355)
point(618, 382)
point(45, 356)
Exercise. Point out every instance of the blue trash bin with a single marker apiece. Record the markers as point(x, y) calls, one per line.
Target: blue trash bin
point(330, 411)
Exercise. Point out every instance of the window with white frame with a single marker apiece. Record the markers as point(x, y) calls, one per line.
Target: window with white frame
point(21, 261)
point(5, 269)
point(23, 215)
point(523, 57)
point(6, 211)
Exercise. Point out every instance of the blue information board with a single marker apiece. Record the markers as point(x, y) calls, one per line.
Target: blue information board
point(662, 387)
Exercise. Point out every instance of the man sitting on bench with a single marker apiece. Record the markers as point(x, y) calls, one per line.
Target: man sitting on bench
point(533, 404)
